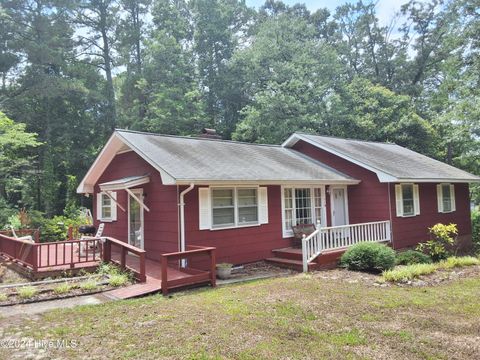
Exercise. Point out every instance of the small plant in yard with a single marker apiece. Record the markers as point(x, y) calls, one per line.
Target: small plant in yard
point(27, 292)
point(117, 280)
point(442, 239)
point(405, 273)
point(3, 297)
point(62, 289)
point(410, 257)
point(88, 285)
point(454, 261)
point(368, 257)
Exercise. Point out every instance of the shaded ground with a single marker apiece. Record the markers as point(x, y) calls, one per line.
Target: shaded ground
point(334, 314)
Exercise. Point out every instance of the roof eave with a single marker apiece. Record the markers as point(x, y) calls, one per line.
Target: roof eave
point(436, 180)
point(266, 182)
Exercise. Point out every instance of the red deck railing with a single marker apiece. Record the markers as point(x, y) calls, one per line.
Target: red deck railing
point(196, 276)
point(125, 248)
point(61, 255)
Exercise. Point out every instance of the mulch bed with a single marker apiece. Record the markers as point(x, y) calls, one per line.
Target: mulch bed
point(437, 278)
point(259, 268)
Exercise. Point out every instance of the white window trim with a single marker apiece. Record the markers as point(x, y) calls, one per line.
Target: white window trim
point(235, 207)
point(139, 194)
point(289, 233)
point(112, 196)
point(416, 200)
point(440, 198)
point(345, 199)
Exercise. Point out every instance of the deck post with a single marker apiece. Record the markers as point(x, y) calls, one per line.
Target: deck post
point(34, 258)
point(107, 251)
point(142, 276)
point(123, 258)
point(164, 264)
point(213, 268)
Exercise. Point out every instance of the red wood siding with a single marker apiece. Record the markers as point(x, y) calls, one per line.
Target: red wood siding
point(161, 223)
point(367, 201)
point(409, 231)
point(239, 245)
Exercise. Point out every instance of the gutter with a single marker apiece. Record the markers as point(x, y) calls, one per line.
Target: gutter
point(182, 219)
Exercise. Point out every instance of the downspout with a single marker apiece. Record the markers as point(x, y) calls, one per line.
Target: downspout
point(182, 219)
point(390, 212)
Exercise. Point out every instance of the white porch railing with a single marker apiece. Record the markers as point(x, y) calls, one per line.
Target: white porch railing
point(339, 237)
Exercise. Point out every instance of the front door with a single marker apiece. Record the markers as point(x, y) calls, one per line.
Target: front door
point(135, 220)
point(339, 209)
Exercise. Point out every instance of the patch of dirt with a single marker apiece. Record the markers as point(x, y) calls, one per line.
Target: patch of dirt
point(10, 276)
point(259, 268)
point(443, 276)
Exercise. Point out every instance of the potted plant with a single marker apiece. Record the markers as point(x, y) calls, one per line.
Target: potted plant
point(224, 270)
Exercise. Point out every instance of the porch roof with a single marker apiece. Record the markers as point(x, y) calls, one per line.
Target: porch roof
point(124, 183)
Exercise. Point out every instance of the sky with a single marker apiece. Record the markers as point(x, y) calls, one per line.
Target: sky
point(385, 8)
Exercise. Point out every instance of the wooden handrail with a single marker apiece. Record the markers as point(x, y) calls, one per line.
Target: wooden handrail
point(196, 276)
point(140, 274)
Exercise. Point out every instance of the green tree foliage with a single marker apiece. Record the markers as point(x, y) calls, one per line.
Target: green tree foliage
point(16, 161)
point(72, 70)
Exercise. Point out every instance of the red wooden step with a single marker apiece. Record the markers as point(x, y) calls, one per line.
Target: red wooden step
point(288, 253)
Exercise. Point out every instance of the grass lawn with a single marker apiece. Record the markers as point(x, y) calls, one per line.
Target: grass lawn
point(297, 317)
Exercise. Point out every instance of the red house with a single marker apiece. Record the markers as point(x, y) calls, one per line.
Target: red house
point(162, 193)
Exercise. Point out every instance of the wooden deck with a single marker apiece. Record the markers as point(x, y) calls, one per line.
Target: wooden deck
point(40, 260)
point(154, 279)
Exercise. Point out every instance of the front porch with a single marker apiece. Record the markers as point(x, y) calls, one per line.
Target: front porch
point(324, 246)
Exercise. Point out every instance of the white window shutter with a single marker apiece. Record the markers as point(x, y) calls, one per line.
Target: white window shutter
point(416, 199)
point(452, 196)
point(263, 205)
point(399, 199)
point(113, 194)
point(204, 208)
point(99, 206)
point(439, 198)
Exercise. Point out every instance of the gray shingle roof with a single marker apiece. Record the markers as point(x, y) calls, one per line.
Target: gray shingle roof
point(391, 159)
point(198, 159)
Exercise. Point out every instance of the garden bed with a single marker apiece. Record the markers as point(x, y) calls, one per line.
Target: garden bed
point(107, 278)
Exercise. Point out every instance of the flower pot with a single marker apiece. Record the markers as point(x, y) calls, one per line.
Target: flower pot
point(224, 272)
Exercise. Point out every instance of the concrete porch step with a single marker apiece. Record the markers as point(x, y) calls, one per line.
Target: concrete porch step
point(290, 264)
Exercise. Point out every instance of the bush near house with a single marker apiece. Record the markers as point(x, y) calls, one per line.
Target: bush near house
point(410, 257)
point(476, 229)
point(373, 257)
point(440, 246)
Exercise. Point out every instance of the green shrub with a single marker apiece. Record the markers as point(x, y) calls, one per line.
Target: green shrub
point(410, 257)
point(476, 228)
point(405, 273)
point(62, 289)
point(118, 280)
point(455, 261)
point(3, 297)
point(27, 292)
point(368, 257)
point(88, 285)
point(439, 247)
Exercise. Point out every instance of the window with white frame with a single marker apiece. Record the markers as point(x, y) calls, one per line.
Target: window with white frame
point(106, 207)
point(234, 207)
point(407, 200)
point(446, 198)
point(302, 205)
